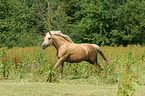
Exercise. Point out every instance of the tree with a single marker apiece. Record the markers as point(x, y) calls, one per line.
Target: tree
point(93, 22)
point(17, 24)
point(101, 22)
point(129, 24)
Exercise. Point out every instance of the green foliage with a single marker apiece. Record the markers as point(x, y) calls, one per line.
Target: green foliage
point(127, 84)
point(51, 76)
point(92, 26)
point(4, 64)
point(102, 22)
point(17, 24)
point(58, 17)
point(129, 23)
point(109, 22)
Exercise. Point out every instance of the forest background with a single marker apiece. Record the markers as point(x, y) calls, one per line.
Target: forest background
point(103, 22)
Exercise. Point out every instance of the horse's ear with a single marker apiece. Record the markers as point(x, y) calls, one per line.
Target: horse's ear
point(50, 33)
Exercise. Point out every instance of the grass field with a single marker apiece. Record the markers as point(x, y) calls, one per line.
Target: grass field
point(23, 71)
point(12, 88)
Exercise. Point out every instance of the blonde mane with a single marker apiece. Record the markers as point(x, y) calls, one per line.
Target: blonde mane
point(58, 33)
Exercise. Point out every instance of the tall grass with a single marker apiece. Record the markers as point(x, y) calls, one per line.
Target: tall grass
point(34, 64)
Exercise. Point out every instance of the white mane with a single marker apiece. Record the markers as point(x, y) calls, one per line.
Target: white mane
point(60, 34)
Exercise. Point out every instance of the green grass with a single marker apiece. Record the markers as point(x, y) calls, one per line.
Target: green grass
point(12, 88)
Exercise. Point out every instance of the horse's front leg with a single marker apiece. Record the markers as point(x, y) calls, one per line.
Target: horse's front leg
point(61, 70)
point(60, 61)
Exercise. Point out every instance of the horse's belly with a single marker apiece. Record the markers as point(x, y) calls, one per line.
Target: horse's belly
point(78, 53)
point(76, 58)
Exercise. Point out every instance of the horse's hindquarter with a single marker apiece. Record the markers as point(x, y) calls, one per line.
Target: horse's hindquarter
point(79, 52)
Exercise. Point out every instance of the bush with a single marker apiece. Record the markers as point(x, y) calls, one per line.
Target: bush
point(17, 24)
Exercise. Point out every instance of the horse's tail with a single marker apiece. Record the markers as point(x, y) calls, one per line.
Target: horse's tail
point(101, 52)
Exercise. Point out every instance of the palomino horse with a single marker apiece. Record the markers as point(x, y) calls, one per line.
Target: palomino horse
point(71, 52)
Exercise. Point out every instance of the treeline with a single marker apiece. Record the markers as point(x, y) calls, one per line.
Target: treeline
point(103, 22)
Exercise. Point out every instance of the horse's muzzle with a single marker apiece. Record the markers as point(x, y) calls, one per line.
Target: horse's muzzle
point(44, 46)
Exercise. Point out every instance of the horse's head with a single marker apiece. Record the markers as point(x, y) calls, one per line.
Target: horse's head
point(47, 40)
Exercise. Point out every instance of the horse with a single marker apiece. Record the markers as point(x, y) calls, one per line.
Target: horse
point(68, 51)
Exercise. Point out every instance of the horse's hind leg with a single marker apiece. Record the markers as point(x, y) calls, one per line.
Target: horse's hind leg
point(98, 65)
point(94, 61)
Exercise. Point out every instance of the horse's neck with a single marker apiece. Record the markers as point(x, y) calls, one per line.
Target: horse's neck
point(58, 42)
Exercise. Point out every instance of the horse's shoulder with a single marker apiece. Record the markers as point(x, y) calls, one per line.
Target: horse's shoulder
point(63, 50)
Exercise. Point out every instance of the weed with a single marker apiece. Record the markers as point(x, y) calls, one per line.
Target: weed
point(4, 64)
point(126, 85)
